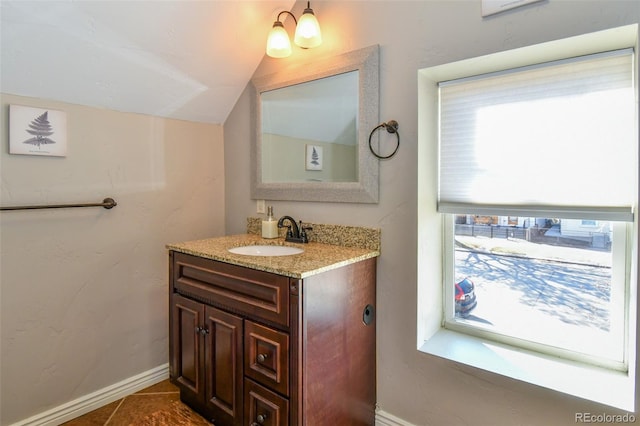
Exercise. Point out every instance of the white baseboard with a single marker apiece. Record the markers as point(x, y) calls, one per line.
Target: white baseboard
point(385, 419)
point(104, 396)
point(97, 399)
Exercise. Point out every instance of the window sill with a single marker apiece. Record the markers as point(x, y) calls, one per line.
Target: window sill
point(609, 387)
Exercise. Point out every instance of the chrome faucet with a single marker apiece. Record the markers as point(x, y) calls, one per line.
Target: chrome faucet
point(294, 233)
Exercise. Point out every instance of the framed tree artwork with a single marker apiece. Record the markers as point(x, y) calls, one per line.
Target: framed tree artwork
point(37, 131)
point(314, 157)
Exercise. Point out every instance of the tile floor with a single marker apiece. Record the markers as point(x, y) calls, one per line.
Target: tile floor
point(131, 409)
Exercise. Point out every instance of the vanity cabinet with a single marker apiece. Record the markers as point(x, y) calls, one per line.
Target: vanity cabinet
point(249, 347)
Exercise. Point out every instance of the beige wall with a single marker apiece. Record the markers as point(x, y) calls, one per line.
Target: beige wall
point(418, 388)
point(83, 292)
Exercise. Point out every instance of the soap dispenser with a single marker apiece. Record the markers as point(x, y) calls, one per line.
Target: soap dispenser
point(270, 226)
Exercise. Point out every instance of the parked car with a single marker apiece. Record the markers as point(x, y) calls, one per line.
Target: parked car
point(465, 297)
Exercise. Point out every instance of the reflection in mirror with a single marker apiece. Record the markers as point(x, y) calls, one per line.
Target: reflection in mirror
point(297, 146)
point(312, 126)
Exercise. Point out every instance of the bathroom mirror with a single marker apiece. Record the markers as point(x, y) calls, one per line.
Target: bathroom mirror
point(312, 131)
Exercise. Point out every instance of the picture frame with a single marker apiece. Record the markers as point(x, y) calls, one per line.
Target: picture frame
point(313, 158)
point(37, 131)
point(492, 7)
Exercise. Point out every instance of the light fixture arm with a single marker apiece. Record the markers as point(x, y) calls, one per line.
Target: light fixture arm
point(286, 11)
point(308, 9)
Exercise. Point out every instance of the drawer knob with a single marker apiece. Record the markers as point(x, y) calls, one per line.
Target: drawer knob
point(259, 420)
point(262, 358)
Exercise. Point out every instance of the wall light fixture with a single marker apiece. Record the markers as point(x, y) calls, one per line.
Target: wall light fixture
point(307, 34)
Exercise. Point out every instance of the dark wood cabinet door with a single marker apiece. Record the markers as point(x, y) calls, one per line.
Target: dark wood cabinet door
point(264, 407)
point(223, 366)
point(185, 342)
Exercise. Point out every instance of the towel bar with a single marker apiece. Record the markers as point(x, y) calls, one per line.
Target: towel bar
point(107, 203)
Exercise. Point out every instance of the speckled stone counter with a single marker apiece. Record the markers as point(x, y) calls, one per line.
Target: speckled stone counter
point(316, 258)
point(337, 235)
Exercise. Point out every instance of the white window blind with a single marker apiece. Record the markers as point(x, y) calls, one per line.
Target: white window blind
point(552, 140)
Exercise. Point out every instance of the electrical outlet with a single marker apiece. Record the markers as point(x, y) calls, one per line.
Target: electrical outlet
point(261, 206)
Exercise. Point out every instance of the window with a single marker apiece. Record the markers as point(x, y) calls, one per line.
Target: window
point(513, 141)
point(535, 188)
point(540, 287)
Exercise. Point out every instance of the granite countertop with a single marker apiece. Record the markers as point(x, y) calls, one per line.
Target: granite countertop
point(316, 258)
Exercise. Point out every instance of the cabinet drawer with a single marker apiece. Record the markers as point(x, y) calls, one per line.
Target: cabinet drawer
point(266, 356)
point(263, 407)
point(255, 293)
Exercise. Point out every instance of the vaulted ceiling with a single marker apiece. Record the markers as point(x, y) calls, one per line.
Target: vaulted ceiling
point(182, 59)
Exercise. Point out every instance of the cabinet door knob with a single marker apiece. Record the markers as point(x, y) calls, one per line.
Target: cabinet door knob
point(259, 420)
point(262, 358)
point(203, 331)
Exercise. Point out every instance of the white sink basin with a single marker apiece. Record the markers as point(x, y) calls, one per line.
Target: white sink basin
point(266, 250)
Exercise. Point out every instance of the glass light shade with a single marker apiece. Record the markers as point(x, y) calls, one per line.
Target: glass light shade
point(278, 43)
point(308, 31)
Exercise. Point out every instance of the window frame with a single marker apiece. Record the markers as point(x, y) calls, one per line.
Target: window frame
point(604, 385)
point(620, 277)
